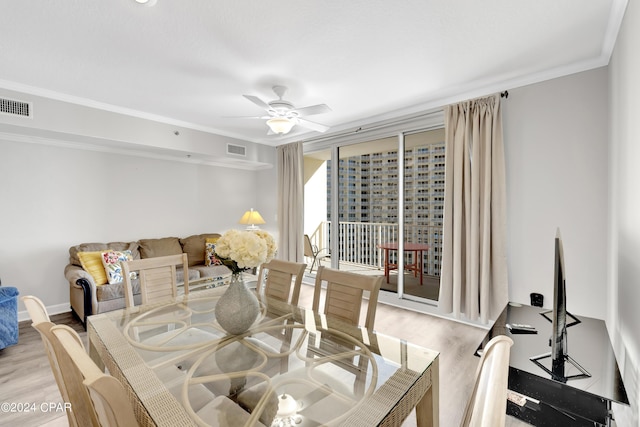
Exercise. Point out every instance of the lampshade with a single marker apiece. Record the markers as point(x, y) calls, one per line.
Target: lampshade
point(251, 218)
point(280, 125)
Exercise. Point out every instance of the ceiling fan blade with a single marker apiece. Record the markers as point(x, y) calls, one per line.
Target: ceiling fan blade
point(259, 102)
point(313, 109)
point(312, 125)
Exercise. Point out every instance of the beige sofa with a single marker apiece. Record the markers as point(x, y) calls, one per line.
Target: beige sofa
point(88, 297)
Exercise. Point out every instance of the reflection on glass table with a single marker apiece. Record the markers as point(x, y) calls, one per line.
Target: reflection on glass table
point(293, 367)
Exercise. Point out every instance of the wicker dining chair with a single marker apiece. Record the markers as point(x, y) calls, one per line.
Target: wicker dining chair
point(157, 278)
point(80, 412)
point(281, 280)
point(275, 280)
point(108, 395)
point(343, 300)
point(487, 406)
point(345, 292)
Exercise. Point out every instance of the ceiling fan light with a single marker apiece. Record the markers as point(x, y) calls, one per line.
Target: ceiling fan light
point(280, 125)
point(148, 3)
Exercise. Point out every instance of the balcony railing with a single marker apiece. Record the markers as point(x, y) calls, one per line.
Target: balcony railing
point(358, 243)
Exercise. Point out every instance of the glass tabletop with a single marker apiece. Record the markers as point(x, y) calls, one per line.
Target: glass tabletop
point(293, 367)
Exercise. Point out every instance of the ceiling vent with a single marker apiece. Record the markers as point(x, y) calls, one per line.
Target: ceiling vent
point(15, 108)
point(236, 150)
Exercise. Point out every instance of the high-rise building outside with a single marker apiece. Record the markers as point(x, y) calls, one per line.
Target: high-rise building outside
point(368, 194)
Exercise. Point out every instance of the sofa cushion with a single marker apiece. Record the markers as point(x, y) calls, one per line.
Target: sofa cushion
point(115, 290)
point(194, 274)
point(212, 271)
point(92, 263)
point(101, 247)
point(151, 248)
point(194, 247)
point(112, 264)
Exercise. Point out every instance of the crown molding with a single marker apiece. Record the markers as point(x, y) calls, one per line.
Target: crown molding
point(88, 145)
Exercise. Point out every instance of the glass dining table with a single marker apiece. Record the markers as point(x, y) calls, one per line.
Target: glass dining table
point(293, 367)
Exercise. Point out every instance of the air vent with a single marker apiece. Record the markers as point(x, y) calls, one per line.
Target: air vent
point(15, 108)
point(237, 150)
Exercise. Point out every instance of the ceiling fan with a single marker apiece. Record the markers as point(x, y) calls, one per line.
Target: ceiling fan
point(283, 115)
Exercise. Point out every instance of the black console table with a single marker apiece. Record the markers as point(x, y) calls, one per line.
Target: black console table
point(579, 396)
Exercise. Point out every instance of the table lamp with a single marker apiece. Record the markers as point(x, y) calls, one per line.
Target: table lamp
point(251, 218)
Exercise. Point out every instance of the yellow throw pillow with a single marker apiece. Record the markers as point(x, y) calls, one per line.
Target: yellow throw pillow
point(92, 263)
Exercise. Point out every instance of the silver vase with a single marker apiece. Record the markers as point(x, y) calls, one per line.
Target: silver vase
point(237, 308)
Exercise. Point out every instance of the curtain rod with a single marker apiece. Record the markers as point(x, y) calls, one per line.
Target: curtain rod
point(380, 126)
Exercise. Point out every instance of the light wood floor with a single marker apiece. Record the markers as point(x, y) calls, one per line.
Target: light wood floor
point(25, 375)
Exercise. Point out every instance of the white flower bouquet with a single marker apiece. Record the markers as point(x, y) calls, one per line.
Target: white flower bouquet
point(243, 250)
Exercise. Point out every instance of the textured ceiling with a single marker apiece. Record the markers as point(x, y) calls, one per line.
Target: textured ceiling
point(189, 62)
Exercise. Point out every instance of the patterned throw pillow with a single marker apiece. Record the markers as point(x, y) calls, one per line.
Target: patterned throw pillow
point(112, 267)
point(210, 253)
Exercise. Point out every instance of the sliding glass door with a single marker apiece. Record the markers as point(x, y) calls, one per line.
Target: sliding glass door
point(367, 205)
point(423, 207)
point(384, 209)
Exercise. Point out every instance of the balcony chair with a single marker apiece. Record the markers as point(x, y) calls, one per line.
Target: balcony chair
point(80, 413)
point(487, 405)
point(112, 408)
point(157, 278)
point(312, 251)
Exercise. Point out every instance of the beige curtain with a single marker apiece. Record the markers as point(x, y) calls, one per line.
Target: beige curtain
point(473, 279)
point(290, 202)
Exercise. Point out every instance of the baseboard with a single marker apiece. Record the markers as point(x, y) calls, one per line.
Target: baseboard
point(429, 308)
point(52, 309)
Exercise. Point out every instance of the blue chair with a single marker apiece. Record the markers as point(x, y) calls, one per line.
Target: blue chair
point(8, 316)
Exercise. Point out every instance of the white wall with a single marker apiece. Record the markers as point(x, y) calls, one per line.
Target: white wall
point(53, 197)
point(624, 256)
point(87, 125)
point(556, 158)
point(265, 184)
